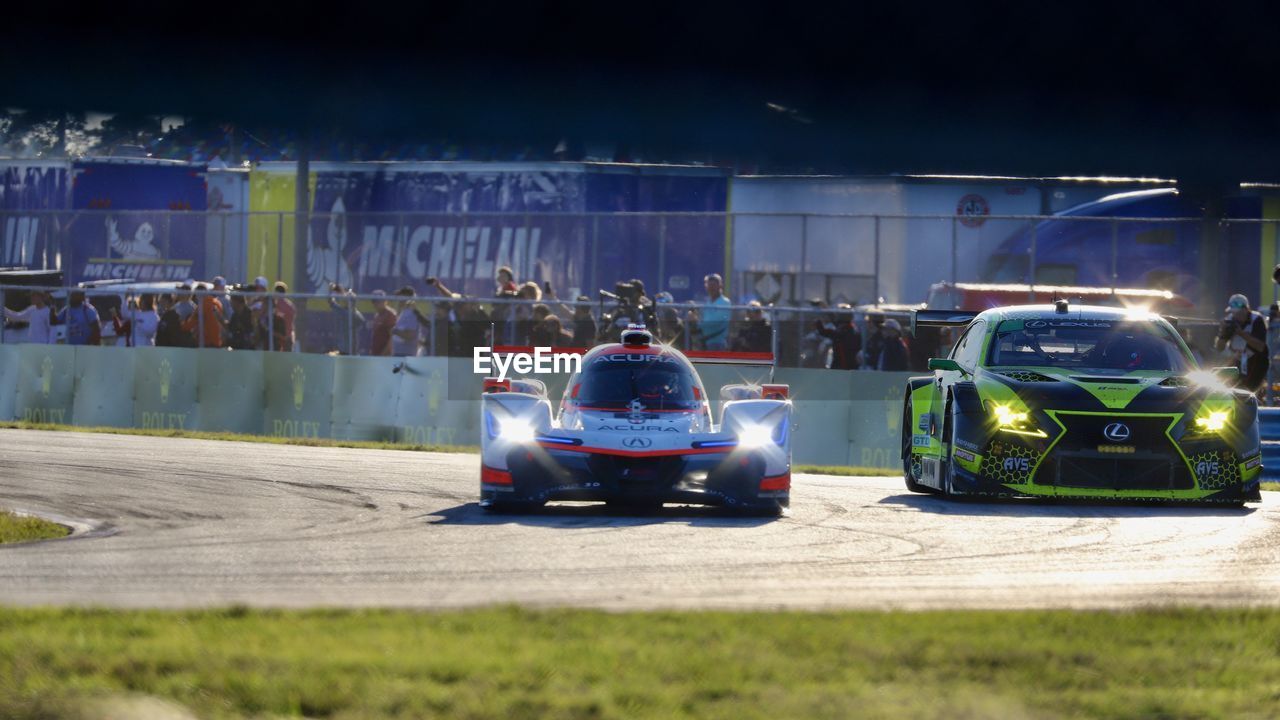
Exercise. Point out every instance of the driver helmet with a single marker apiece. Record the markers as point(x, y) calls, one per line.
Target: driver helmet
point(654, 386)
point(1124, 352)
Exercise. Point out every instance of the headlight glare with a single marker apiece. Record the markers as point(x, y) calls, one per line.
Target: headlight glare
point(516, 430)
point(1015, 421)
point(1213, 421)
point(754, 436)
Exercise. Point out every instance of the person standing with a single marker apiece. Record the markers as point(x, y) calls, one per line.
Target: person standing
point(893, 354)
point(348, 319)
point(139, 328)
point(384, 322)
point(404, 336)
point(846, 341)
point(287, 312)
point(240, 329)
point(713, 321)
point(1244, 333)
point(38, 316)
point(81, 319)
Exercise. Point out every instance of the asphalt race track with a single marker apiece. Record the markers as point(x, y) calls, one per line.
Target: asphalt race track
point(167, 522)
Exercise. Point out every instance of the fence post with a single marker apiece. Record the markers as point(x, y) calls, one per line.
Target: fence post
point(351, 326)
point(955, 243)
point(662, 252)
point(1115, 251)
point(279, 245)
point(804, 255)
point(168, 235)
point(271, 320)
point(1031, 266)
point(595, 249)
point(200, 317)
point(876, 285)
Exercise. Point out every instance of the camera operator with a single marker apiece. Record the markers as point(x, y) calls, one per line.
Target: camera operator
point(630, 306)
point(1244, 333)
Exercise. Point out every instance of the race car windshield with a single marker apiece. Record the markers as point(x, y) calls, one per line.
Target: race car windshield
point(1088, 344)
point(655, 385)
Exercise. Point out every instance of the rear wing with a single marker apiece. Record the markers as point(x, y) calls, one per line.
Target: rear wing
point(941, 318)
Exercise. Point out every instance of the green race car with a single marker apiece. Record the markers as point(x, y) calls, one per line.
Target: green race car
point(1077, 402)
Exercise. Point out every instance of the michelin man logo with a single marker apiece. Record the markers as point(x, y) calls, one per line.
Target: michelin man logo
point(46, 376)
point(299, 378)
point(141, 247)
point(166, 376)
point(325, 264)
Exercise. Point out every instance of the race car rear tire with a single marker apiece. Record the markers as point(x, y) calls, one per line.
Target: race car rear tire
point(948, 468)
point(912, 485)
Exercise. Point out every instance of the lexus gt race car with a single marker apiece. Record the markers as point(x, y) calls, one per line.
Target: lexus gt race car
point(634, 428)
point(1078, 402)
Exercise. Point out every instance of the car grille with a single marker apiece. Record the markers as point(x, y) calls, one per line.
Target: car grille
point(1147, 460)
point(1078, 471)
point(639, 471)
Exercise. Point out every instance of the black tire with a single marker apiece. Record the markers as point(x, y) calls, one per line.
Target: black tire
point(948, 444)
point(907, 428)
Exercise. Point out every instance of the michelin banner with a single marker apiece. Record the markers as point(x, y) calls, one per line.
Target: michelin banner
point(136, 221)
point(378, 226)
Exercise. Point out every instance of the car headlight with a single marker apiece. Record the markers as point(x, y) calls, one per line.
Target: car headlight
point(516, 430)
point(1015, 421)
point(511, 429)
point(754, 436)
point(1212, 420)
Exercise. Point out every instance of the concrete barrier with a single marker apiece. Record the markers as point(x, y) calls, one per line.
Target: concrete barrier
point(10, 364)
point(45, 389)
point(842, 417)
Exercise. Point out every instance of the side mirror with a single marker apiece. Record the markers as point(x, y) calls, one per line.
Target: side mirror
point(944, 364)
point(1228, 374)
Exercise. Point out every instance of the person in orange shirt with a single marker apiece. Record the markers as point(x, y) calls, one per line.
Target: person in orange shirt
point(211, 312)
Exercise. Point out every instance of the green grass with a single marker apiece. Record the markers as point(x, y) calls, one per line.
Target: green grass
point(22, 528)
point(1272, 486)
point(240, 437)
point(847, 470)
point(511, 663)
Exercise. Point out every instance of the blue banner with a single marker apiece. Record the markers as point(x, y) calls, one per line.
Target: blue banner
point(141, 226)
point(461, 226)
point(40, 188)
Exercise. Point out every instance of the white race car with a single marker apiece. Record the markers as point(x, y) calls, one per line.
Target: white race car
point(635, 429)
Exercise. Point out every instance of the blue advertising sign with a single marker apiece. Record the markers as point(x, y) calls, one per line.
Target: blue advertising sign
point(39, 187)
point(460, 226)
point(141, 226)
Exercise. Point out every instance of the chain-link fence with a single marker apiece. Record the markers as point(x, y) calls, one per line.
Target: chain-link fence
point(347, 323)
point(780, 259)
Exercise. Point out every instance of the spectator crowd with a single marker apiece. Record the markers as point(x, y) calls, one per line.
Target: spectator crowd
point(261, 316)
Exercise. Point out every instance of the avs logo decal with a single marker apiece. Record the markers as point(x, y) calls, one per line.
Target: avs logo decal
point(1017, 464)
point(637, 442)
point(1116, 432)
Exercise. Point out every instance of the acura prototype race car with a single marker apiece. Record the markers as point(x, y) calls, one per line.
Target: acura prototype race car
point(1078, 402)
point(635, 428)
